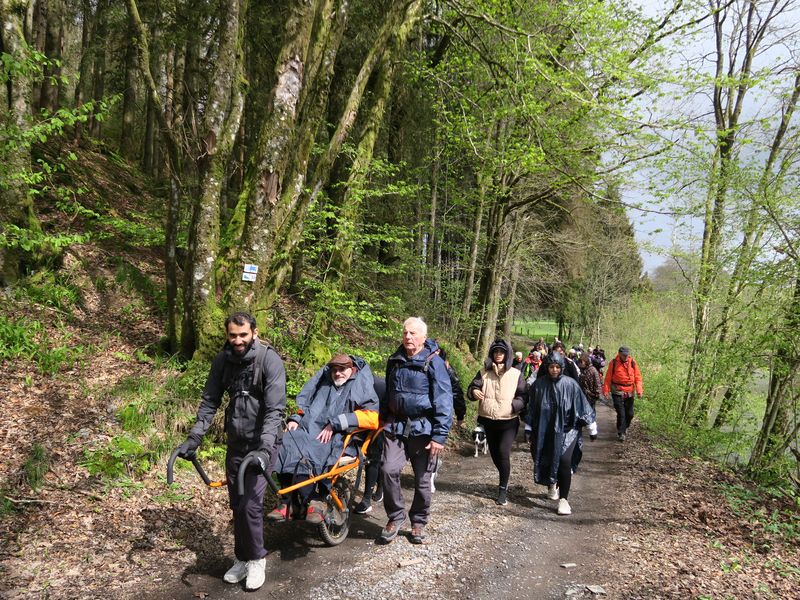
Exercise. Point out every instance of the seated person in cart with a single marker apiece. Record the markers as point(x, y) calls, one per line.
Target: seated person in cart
point(338, 397)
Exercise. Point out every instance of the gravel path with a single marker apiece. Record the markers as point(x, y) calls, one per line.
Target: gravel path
point(474, 549)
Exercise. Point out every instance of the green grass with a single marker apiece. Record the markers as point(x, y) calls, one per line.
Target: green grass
point(36, 466)
point(533, 329)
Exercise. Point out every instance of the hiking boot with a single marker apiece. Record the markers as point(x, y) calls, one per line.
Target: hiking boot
point(621, 437)
point(502, 499)
point(391, 530)
point(316, 512)
point(564, 507)
point(417, 534)
point(363, 507)
point(279, 513)
point(236, 573)
point(552, 492)
point(256, 573)
point(377, 496)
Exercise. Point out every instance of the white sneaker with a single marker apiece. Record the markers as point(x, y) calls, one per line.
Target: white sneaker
point(236, 573)
point(552, 492)
point(255, 573)
point(564, 507)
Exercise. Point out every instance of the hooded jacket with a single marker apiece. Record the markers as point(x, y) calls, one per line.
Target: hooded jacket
point(557, 411)
point(321, 403)
point(419, 397)
point(256, 386)
point(622, 377)
point(503, 386)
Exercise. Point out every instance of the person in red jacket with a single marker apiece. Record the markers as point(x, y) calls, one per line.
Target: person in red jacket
point(624, 382)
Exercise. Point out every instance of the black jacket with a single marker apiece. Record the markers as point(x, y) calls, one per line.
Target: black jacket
point(256, 386)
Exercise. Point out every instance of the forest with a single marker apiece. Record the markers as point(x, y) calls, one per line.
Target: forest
point(334, 166)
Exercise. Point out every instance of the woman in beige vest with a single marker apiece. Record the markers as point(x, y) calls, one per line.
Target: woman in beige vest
point(501, 392)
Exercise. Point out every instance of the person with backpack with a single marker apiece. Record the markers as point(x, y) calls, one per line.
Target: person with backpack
point(253, 375)
point(501, 391)
point(624, 382)
point(417, 415)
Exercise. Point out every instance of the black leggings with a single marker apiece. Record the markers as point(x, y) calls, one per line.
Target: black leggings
point(565, 470)
point(500, 435)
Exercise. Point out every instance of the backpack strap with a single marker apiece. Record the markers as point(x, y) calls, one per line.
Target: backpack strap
point(261, 355)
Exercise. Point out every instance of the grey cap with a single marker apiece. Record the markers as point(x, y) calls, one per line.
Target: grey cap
point(624, 350)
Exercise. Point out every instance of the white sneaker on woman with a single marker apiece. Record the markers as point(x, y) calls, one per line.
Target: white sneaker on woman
point(564, 507)
point(236, 573)
point(552, 492)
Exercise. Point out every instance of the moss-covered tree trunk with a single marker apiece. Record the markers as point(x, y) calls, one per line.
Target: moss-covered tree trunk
point(349, 214)
point(201, 319)
point(16, 204)
point(276, 196)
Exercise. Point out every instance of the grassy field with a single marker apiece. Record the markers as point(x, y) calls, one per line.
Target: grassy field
point(533, 330)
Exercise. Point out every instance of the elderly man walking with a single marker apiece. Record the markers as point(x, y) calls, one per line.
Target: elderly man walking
point(417, 413)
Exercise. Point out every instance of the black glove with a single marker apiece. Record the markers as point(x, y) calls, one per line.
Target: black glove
point(260, 460)
point(593, 437)
point(188, 449)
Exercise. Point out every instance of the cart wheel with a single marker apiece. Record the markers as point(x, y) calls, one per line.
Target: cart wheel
point(334, 529)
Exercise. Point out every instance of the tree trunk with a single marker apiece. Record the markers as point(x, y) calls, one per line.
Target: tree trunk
point(99, 69)
point(53, 50)
point(220, 125)
point(174, 169)
point(126, 138)
point(84, 70)
point(508, 317)
point(16, 204)
point(469, 284)
point(276, 199)
point(776, 425)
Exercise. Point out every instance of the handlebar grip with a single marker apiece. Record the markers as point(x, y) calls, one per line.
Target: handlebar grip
point(240, 476)
point(198, 467)
point(170, 466)
point(243, 470)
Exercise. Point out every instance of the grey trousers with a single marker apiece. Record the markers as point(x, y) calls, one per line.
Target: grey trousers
point(248, 510)
point(396, 452)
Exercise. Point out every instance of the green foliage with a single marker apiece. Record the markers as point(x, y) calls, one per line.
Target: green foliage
point(122, 456)
point(49, 289)
point(748, 505)
point(140, 232)
point(30, 240)
point(18, 337)
point(36, 466)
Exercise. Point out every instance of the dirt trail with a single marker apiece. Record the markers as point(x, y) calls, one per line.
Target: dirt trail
point(646, 525)
point(475, 549)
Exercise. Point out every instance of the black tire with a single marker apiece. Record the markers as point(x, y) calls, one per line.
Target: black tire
point(334, 528)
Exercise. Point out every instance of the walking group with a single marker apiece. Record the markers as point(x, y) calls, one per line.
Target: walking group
point(552, 391)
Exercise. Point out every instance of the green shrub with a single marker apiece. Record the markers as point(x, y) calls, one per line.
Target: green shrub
point(122, 456)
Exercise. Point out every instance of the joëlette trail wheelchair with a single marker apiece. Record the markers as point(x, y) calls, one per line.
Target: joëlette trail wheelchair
point(335, 525)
